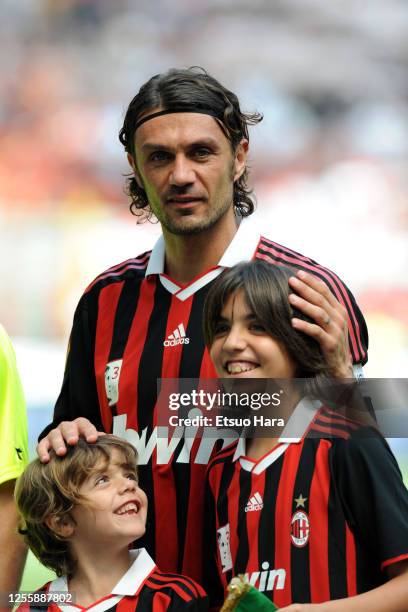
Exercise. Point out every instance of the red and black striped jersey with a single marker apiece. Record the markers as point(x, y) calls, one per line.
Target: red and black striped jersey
point(135, 325)
point(144, 588)
point(309, 522)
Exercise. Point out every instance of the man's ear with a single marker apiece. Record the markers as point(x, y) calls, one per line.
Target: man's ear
point(241, 154)
point(132, 164)
point(63, 526)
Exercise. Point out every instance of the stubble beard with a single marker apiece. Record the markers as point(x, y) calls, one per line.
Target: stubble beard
point(185, 227)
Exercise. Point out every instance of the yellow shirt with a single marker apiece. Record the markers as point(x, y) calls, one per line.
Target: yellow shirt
point(13, 415)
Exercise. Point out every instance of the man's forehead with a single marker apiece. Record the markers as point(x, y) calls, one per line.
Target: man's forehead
point(177, 127)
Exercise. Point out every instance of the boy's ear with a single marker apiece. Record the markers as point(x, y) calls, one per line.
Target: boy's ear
point(132, 164)
point(63, 526)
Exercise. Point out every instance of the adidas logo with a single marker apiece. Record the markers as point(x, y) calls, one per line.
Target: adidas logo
point(177, 337)
point(254, 503)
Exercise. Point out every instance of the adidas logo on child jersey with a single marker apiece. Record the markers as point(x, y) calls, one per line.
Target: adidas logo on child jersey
point(254, 503)
point(177, 337)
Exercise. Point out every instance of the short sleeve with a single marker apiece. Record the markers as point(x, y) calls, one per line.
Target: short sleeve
point(373, 494)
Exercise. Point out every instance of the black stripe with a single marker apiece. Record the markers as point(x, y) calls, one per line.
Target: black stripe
point(182, 481)
point(149, 371)
point(245, 485)
point(336, 543)
point(300, 568)
point(125, 313)
point(266, 535)
point(192, 355)
point(222, 501)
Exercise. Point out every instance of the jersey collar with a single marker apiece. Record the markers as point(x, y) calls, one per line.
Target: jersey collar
point(129, 585)
point(242, 248)
point(294, 431)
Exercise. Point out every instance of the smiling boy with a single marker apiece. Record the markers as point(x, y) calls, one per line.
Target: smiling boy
point(80, 514)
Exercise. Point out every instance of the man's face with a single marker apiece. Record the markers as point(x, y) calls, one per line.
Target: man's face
point(187, 168)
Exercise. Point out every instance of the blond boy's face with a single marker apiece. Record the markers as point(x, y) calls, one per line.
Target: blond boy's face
point(117, 507)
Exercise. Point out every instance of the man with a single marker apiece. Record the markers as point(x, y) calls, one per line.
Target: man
point(187, 142)
point(13, 459)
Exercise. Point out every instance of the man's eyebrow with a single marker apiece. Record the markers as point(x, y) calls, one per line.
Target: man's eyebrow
point(200, 142)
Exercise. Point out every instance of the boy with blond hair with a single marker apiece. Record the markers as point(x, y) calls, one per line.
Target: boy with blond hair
point(79, 514)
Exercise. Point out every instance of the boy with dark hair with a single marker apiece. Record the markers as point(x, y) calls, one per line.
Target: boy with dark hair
point(79, 514)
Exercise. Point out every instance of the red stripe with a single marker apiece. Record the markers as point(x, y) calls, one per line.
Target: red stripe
point(108, 302)
point(319, 527)
point(126, 604)
point(207, 369)
point(160, 602)
point(119, 269)
point(129, 381)
point(333, 431)
point(193, 543)
point(283, 515)
point(195, 589)
point(394, 560)
point(252, 520)
point(337, 421)
point(341, 293)
point(173, 585)
point(347, 420)
point(351, 563)
point(164, 486)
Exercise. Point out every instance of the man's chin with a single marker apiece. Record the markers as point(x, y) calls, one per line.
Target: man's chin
point(190, 226)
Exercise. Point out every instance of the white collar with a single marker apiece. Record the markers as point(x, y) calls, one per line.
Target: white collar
point(293, 433)
point(241, 248)
point(128, 585)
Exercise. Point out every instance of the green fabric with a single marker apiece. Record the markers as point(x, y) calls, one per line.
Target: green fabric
point(13, 417)
point(255, 601)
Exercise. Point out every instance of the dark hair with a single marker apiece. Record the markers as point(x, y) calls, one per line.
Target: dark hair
point(52, 489)
point(266, 292)
point(187, 88)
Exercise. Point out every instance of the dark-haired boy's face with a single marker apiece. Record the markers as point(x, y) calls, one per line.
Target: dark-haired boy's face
point(187, 167)
point(243, 348)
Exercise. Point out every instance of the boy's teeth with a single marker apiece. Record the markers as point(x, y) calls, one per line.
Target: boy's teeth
point(127, 508)
point(237, 368)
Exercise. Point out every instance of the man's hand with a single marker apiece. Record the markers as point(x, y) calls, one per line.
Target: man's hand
point(67, 432)
point(315, 300)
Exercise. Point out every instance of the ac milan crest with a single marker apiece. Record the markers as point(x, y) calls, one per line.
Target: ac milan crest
point(300, 528)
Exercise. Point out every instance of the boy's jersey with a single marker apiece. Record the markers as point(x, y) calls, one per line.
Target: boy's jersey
point(310, 521)
point(13, 416)
point(133, 326)
point(144, 588)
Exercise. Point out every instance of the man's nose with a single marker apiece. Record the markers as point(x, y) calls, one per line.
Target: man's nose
point(182, 172)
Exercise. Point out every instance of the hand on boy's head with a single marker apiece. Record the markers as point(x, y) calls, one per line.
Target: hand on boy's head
point(314, 299)
point(67, 432)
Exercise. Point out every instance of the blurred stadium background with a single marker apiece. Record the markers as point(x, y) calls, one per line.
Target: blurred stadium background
point(329, 161)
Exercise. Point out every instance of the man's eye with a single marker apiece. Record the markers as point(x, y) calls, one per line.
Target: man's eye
point(159, 156)
point(132, 476)
point(202, 152)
